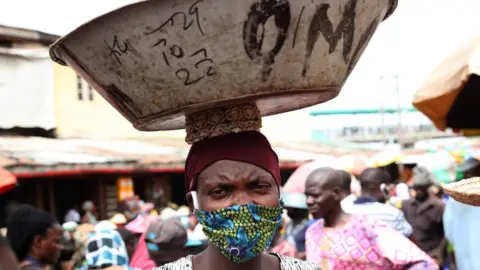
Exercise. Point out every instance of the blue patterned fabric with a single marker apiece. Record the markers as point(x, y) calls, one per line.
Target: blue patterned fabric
point(241, 232)
point(105, 248)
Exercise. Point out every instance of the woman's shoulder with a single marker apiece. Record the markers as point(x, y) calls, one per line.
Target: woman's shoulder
point(289, 263)
point(184, 263)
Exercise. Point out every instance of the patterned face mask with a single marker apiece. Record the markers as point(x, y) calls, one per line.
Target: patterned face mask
point(241, 232)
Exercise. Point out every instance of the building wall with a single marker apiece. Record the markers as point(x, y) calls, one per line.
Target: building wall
point(90, 117)
point(94, 117)
point(26, 90)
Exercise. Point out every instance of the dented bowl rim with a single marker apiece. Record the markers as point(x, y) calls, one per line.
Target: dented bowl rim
point(56, 56)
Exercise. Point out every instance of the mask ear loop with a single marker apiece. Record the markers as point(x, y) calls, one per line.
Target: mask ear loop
point(195, 200)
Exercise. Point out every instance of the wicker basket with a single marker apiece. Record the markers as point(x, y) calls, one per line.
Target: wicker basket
point(466, 191)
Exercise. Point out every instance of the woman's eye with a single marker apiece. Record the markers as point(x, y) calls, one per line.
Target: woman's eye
point(262, 186)
point(218, 192)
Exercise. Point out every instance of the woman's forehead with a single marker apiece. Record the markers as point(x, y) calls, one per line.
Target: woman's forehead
point(229, 170)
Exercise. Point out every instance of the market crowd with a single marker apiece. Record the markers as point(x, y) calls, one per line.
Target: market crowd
point(405, 225)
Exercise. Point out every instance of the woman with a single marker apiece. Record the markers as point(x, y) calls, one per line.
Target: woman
point(105, 249)
point(233, 184)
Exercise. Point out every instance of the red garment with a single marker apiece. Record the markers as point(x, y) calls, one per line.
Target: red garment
point(140, 258)
point(249, 146)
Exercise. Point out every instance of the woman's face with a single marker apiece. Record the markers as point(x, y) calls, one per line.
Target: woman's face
point(226, 183)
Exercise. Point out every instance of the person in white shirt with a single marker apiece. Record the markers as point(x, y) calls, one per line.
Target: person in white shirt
point(371, 203)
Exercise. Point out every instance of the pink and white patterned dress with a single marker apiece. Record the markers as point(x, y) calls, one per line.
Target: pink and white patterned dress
point(361, 244)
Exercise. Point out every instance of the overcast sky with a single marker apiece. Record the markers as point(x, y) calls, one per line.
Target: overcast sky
point(54, 16)
point(411, 43)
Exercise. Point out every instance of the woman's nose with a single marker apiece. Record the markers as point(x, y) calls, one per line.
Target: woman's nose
point(242, 198)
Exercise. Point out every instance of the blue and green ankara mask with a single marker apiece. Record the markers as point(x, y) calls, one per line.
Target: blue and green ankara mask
point(241, 232)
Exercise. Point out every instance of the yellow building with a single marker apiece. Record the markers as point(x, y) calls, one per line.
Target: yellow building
point(81, 112)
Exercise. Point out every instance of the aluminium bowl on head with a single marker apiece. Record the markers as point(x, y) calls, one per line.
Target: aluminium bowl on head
point(158, 61)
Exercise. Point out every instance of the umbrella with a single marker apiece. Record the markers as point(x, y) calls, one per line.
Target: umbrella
point(385, 158)
point(8, 181)
point(354, 164)
point(450, 96)
point(296, 182)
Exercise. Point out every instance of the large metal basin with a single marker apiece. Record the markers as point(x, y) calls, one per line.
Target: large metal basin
point(157, 60)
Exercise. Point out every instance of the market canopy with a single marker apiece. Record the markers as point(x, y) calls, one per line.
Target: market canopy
point(450, 96)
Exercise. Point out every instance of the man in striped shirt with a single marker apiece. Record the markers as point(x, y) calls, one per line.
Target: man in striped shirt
point(371, 203)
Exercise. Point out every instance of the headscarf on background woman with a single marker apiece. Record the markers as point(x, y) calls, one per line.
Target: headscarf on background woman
point(105, 249)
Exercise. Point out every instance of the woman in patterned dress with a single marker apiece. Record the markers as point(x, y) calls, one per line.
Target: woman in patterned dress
point(233, 184)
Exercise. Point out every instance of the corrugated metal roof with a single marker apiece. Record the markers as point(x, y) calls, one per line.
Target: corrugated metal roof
point(30, 155)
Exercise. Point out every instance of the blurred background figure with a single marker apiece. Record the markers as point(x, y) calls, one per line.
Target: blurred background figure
point(282, 246)
point(81, 238)
point(68, 245)
point(296, 226)
point(329, 241)
point(73, 215)
point(35, 237)
point(348, 194)
point(105, 249)
point(424, 213)
point(90, 213)
point(166, 241)
point(129, 239)
point(461, 223)
point(119, 220)
point(8, 260)
point(470, 168)
point(371, 203)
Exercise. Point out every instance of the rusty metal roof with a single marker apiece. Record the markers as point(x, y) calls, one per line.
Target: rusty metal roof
point(16, 33)
point(34, 156)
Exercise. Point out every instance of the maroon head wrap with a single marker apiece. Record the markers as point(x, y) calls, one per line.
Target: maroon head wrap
point(249, 147)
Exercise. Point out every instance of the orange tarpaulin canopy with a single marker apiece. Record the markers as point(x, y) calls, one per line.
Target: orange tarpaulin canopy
point(450, 96)
point(8, 181)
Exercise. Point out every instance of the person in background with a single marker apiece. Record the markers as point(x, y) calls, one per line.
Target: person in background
point(295, 229)
point(470, 168)
point(140, 258)
point(166, 241)
point(438, 192)
point(280, 245)
point(129, 239)
point(461, 223)
point(345, 192)
point(73, 215)
point(371, 203)
point(342, 241)
point(90, 213)
point(68, 245)
point(81, 237)
point(35, 237)
point(393, 171)
point(105, 249)
point(119, 220)
point(8, 260)
point(424, 213)
point(407, 173)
